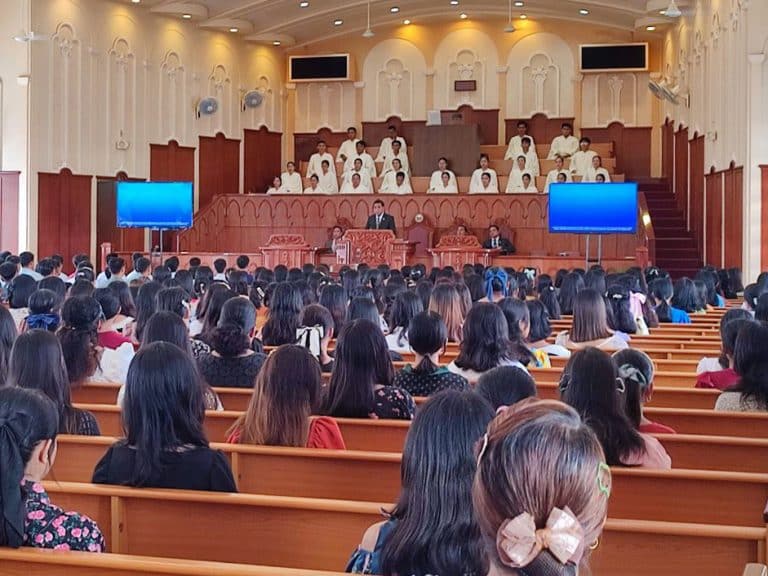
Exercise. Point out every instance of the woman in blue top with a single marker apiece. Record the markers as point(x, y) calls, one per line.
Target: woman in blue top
point(662, 292)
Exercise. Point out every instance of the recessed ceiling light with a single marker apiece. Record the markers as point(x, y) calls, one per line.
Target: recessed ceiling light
point(454, 2)
point(583, 11)
point(338, 22)
point(463, 16)
point(663, 12)
point(519, 4)
point(303, 4)
point(523, 16)
point(406, 22)
point(135, 1)
point(394, 9)
point(233, 30)
point(186, 16)
point(276, 43)
point(650, 28)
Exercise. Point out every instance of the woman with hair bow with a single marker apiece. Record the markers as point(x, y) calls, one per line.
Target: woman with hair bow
point(496, 285)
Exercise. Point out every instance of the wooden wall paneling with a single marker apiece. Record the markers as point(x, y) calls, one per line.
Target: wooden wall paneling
point(632, 147)
point(764, 217)
point(64, 214)
point(168, 163)
point(262, 154)
point(375, 132)
point(733, 218)
point(713, 242)
point(487, 121)
point(695, 191)
point(542, 128)
point(667, 149)
point(219, 168)
point(305, 144)
point(680, 187)
point(122, 239)
point(9, 211)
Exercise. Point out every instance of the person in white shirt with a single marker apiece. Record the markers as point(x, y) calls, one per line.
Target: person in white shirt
point(436, 185)
point(581, 162)
point(385, 149)
point(365, 158)
point(396, 182)
point(365, 178)
point(317, 159)
point(531, 159)
point(328, 182)
point(291, 180)
point(27, 261)
point(515, 147)
point(595, 170)
point(314, 185)
point(559, 168)
point(354, 185)
point(277, 186)
point(565, 145)
point(528, 185)
point(348, 147)
point(142, 268)
point(600, 179)
point(397, 154)
point(515, 183)
point(476, 183)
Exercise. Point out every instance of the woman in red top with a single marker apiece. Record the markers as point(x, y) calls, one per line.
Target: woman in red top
point(287, 393)
point(725, 377)
point(635, 369)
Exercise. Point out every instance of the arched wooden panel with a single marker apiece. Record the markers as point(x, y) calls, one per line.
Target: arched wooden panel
point(733, 218)
point(64, 214)
point(713, 244)
point(219, 168)
point(261, 161)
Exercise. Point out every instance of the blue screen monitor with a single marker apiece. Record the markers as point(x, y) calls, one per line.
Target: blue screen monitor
point(593, 208)
point(159, 205)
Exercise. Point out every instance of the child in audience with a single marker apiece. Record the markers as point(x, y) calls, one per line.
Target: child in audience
point(485, 344)
point(313, 317)
point(37, 363)
point(361, 382)
point(29, 423)
point(635, 369)
point(591, 385)
point(662, 292)
point(432, 528)
point(541, 478)
point(590, 325)
point(165, 444)
point(286, 395)
point(444, 300)
point(519, 321)
point(407, 305)
point(505, 386)
point(541, 330)
point(750, 361)
point(428, 337)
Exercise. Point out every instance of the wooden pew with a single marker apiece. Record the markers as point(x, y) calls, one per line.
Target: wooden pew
point(26, 561)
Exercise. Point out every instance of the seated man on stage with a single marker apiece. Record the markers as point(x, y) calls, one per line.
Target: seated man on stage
point(355, 185)
point(496, 242)
point(385, 149)
point(515, 147)
point(437, 183)
point(582, 160)
point(553, 175)
point(317, 159)
point(380, 220)
point(335, 242)
point(565, 145)
point(595, 170)
point(397, 154)
point(396, 182)
point(365, 158)
point(291, 180)
point(349, 146)
point(476, 185)
point(531, 159)
point(328, 182)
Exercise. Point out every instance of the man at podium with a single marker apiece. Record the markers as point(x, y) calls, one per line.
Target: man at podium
point(380, 220)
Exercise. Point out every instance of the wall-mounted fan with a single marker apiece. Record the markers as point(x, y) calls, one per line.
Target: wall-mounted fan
point(663, 91)
point(253, 99)
point(207, 107)
point(30, 36)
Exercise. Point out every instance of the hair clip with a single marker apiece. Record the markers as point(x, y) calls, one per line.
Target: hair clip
point(617, 297)
point(483, 448)
point(620, 386)
point(603, 470)
point(565, 380)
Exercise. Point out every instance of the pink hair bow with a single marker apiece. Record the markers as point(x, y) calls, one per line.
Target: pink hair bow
point(519, 542)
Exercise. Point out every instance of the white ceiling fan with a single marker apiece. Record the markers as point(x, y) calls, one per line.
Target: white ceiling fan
point(368, 32)
point(25, 37)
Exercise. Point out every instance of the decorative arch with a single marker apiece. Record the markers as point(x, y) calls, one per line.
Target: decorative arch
point(466, 54)
point(394, 73)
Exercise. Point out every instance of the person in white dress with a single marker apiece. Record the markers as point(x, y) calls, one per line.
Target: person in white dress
point(581, 162)
point(515, 183)
point(531, 159)
point(314, 185)
point(354, 185)
point(515, 147)
point(595, 170)
point(328, 182)
point(397, 154)
point(555, 172)
point(476, 183)
point(292, 183)
point(365, 158)
point(316, 160)
point(349, 146)
point(447, 184)
point(529, 187)
point(396, 182)
point(277, 186)
point(385, 149)
point(600, 179)
point(436, 185)
point(565, 145)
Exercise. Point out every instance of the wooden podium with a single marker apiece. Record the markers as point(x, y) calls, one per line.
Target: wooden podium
point(373, 247)
point(290, 250)
point(460, 144)
point(457, 251)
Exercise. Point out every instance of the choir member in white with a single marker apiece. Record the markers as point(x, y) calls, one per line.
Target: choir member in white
point(396, 183)
point(360, 153)
point(477, 184)
point(565, 145)
point(529, 186)
point(292, 183)
point(397, 154)
point(515, 182)
point(277, 186)
point(328, 182)
point(595, 170)
point(349, 146)
point(515, 147)
point(317, 159)
point(559, 169)
point(531, 159)
point(438, 183)
point(364, 181)
point(314, 185)
point(581, 162)
point(385, 149)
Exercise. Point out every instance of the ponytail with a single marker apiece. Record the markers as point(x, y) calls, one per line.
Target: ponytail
point(545, 564)
point(426, 366)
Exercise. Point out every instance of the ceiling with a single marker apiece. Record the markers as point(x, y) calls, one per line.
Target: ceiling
point(268, 21)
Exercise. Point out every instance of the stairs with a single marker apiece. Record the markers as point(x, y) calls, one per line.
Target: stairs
point(676, 250)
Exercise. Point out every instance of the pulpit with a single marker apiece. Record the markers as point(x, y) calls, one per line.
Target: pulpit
point(457, 251)
point(373, 247)
point(290, 250)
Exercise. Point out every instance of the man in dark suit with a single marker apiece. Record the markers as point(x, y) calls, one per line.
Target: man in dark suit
point(380, 220)
point(496, 242)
